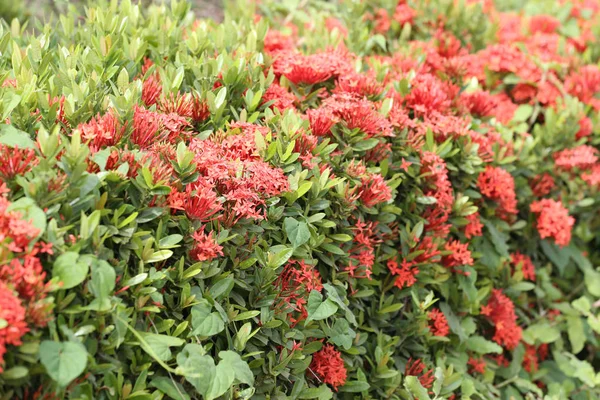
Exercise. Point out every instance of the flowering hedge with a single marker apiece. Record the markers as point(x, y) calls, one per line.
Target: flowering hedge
point(374, 199)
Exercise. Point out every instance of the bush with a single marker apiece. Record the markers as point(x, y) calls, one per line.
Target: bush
point(366, 200)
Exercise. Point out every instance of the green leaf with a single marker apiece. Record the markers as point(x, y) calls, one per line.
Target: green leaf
point(453, 321)
point(523, 113)
point(159, 344)
point(320, 393)
point(412, 384)
point(355, 387)
point(205, 322)
point(542, 332)
point(482, 346)
point(592, 281)
point(169, 387)
point(576, 334)
point(13, 137)
point(279, 255)
point(160, 255)
point(209, 380)
point(233, 361)
point(64, 361)
point(319, 309)
point(102, 284)
point(341, 334)
point(15, 373)
point(559, 257)
point(69, 271)
point(297, 232)
point(497, 238)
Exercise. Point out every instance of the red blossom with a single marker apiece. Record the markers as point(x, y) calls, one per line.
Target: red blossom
point(438, 324)
point(497, 184)
point(328, 365)
point(541, 185)
point(13, 314)
point(15, 161)
point(477, 365)
point(459, 254)
point(474, 226)
point(581, 157)
point(500, 310)
point(417, 368)
point(553, 220)
point(205, 247)
point(374, 190)
point(523, 262)
point(321, 120)
point(151, 90)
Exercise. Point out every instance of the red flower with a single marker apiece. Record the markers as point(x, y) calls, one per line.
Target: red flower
point(151, 90)
point(181, 104)
point(359, 113)
point(328, 365)
point(279, 97)
point(459, 256)
point(406, 274)
point(438, 324)
point(13, 314)
point(581, 157)
point(205, 246)
point(543, 24)
point(530, 359)
point(500, 310)
point(498, 185)
point(553, 221)
point(404, 14)
point(428, 94)
point(15, 161)
point(473, 228)
point(585, 128)
point(477, 365)
point(321, 120)
point(201, 202)
point(417, 368)
point(592, 177)
point(294, 284)
point(146, 125)
point(374, 190)
point(524, 262)
point(102, 131)
point(541, 185)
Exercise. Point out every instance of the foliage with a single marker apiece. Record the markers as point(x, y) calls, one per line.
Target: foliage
point(370, 200)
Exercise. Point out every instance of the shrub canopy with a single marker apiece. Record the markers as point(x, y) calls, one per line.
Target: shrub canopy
point(310, 200)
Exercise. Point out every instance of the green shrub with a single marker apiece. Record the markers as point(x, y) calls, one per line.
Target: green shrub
point(370, 200)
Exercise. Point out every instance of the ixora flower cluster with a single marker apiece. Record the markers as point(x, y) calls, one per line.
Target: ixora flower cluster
point(376, 199)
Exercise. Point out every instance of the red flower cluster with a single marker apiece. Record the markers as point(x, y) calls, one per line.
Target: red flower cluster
point(523, 262)
point(497, 184)
point(328, 365)
point(553, 221)
point(580, 157)
point(459, 254)
point(474, 226)
point(205, 247)
point(501, 312)
point(294, 284)
point(417, 368)
point(477, 365)
point(438, 324)
point(12, 314)
point(406, 273)
point(22, 288)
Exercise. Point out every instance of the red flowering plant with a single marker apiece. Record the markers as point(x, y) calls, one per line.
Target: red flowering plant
point(383, 199)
